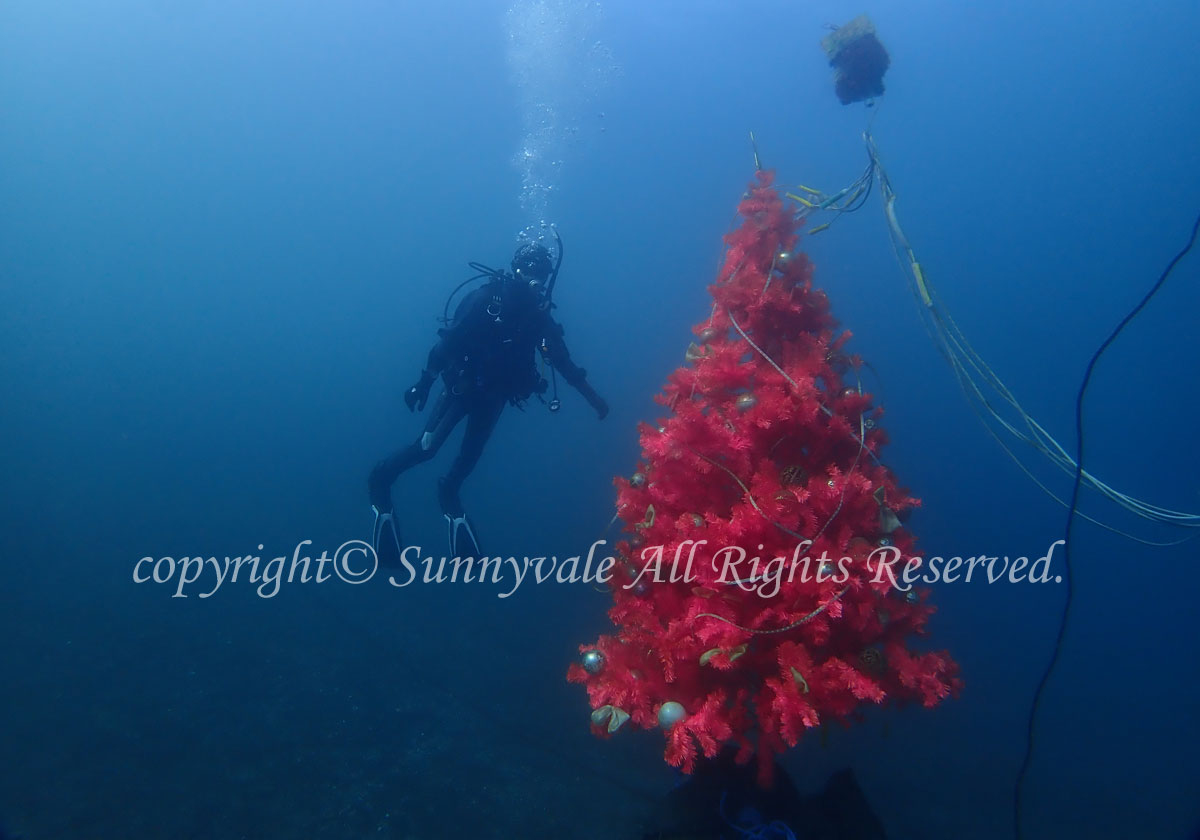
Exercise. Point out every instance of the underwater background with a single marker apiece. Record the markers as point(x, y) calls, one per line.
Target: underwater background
point(227, 231)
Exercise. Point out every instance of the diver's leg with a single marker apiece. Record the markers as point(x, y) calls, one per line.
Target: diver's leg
point(481, 421)
point(446, 414)
point(385, 536)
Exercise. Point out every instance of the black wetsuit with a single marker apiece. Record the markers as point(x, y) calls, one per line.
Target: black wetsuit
point(486, 358)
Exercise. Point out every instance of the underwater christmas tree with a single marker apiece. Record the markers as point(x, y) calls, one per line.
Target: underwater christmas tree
point(748, 600)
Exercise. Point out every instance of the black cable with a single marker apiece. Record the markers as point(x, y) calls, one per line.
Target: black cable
point(1071, 515)
point(484, 271)
point(554, 273)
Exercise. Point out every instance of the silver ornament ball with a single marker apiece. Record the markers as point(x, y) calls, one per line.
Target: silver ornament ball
point(670, 713)
point(593, 661)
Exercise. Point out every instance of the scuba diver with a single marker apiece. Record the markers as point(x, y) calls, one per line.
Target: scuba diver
point(486, 358)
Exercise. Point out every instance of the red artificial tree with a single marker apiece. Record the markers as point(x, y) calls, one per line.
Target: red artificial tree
point(749, 601)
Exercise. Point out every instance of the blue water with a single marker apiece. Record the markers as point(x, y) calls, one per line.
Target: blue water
point(226, 231)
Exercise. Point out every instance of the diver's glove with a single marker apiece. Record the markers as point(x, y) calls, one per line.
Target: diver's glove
point(594, 400)
point(416, 396)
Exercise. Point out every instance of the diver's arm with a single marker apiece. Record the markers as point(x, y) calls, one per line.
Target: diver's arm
point(439, 358)
point(449, 344)
point(416, 396)
point(558, 355)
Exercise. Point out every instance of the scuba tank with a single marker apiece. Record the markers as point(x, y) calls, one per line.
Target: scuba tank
point(486, 273)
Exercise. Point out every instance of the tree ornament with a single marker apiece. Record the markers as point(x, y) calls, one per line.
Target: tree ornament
point(670, 713)
point(593, 661)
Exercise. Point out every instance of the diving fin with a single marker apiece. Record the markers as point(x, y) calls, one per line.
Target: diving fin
point(385, 539)
point(459, 530)
point(461, 534)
